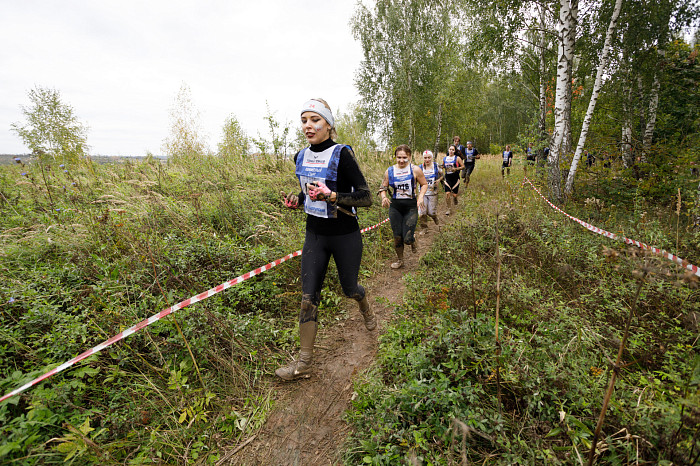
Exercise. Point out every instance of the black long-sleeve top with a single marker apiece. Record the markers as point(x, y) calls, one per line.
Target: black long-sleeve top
point(349, 176)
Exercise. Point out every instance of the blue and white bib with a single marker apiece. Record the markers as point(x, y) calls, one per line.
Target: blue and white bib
point(506, 155)
point(450, 163)
point(469, 155)
point(431, 174)
point(319, 167)
point(403, 182)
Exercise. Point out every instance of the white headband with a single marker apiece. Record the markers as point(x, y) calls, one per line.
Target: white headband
point(318, 107)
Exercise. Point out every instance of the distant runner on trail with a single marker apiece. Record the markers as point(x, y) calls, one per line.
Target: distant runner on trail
point(460, 148)
point(401, 178)
point(470, 156)
point(452, 163)
point(507, 161)
point(332, 185)
point(530, 155)
point(433, 175)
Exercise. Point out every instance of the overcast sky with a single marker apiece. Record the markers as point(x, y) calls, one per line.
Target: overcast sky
point(120, 64)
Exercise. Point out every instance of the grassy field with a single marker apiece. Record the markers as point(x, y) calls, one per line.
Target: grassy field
point(87, 251)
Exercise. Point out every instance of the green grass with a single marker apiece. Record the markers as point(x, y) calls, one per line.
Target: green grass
point(432, 395)
point(87, 251)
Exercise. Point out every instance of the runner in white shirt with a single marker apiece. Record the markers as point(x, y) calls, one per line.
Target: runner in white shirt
point(433, 175)
point(401, 179)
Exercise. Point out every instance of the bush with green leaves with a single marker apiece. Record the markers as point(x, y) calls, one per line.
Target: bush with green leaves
point(564, 295)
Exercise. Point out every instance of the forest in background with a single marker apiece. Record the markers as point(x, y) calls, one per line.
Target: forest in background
point(88, 250)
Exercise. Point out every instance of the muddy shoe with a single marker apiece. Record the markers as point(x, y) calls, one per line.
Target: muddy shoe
point(414, 247)
point(368, 314)
point(447, 212)
point(397, 265)
point(294, 370)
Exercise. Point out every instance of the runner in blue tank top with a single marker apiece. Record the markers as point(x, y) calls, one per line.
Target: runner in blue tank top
point(433, 175)
point(453, 164)
point(332, 186)
point(403, 206)
point(507, 161)
point(470, 157)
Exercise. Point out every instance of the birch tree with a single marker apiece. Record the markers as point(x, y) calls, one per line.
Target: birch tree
point(51, 130)
point(566, 37)
point(602, 67)
point(408, 47)
point(186, 135)
point(665, 10)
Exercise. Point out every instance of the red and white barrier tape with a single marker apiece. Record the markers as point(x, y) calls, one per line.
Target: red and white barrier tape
point(672, 257)
point(160, 315)
point(374, 226)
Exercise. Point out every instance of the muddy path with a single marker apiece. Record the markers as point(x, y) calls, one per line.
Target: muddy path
point(306, 426)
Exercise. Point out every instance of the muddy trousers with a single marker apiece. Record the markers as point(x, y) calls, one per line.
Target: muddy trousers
point(403, 217)
point(346, 251)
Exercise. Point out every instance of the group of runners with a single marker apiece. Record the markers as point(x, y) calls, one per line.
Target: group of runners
point(333, 186)
point(411, 191)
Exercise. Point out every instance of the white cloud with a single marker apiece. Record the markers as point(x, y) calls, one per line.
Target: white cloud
point(120, 64)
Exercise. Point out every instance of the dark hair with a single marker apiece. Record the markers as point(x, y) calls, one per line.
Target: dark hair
point(403, 148)
point(457, 151)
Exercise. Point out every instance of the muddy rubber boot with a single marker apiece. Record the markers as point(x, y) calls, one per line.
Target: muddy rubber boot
point(301, 368)
point(399, 253)
point(367, 314)
point(435, 219)
point(449, 203)
point(423, 222)
point(414, 247)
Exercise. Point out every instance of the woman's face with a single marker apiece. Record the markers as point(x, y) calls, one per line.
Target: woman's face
point(314, 127)
point(451, 150)
point(427, 158)
point(402, 159)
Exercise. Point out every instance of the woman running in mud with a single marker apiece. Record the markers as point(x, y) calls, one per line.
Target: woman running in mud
point(332, 186)
point(401, 178)
point(433, 175)
point(452, 163)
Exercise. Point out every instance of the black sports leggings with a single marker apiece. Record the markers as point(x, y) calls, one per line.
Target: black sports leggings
point(347, 253)
point(403, 216)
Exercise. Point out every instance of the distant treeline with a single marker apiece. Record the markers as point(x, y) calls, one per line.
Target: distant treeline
point(8, 159)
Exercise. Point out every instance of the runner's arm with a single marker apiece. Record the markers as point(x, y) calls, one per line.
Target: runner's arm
point(350, 170)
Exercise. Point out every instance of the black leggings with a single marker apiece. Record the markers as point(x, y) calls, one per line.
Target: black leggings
point(403, 216)
point(347, 253)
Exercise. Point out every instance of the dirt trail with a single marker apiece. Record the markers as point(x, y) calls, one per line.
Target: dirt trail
point(306, 426)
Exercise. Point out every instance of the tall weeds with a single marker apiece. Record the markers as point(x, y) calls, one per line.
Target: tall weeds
point(87, 252)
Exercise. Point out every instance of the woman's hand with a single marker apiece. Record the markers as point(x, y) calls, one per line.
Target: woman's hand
point(421, 208)
point(290, 200)
point(319, 191)
point(386, 202)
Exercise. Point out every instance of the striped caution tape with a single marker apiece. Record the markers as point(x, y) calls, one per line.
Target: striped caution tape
point(160, 315)
point(672, 257)
point(374, 226)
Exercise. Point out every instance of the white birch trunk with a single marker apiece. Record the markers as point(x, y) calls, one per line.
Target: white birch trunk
point(626, 136)
point(566, 35)
point(697, 217)
point(439, 129)
point(651, 117)
point(654, 94)
point(542, 119)
point(602, 66)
